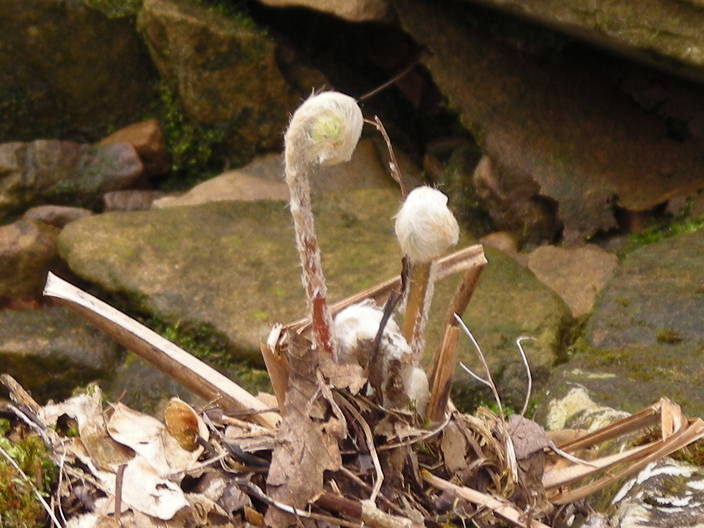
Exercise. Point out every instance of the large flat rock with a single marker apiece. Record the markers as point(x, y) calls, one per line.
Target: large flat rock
point(231, 269)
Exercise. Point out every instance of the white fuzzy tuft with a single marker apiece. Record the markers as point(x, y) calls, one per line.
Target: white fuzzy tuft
point(425, 227)
point(325, 129)
point(416, 386)
point(358, 323)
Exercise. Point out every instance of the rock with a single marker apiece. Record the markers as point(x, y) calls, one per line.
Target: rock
point(644, 337)
point(352, 10)
point(506, 243)
point(574, 409)
point(262, 179)
point(130, 200)
point(50, 351)
point(148, 141)
point(553, 123)
point(577, 275)
point(62, 171)
point(665, 494)
point(664, 32)
point(509, 302)
point(67, 68)
point(27, 249)
point(231, 186)
point(513, 204)
point(56, 215)
point(230, 270)
point(224, 70)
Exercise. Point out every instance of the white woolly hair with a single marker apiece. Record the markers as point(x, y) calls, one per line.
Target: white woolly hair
point(425, 227)
point(326, 128)
point(359, 322)
point(417, 388)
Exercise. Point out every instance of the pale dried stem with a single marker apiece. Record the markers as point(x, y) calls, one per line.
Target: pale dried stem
point(417, 306)
point(164, 355)
point(502, 507)
point(442, 379)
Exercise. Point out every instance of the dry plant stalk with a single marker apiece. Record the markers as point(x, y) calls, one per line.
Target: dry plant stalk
point(163, 354)
point(442, 379)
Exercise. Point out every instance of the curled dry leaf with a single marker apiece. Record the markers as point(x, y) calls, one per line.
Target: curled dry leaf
point(184, 424)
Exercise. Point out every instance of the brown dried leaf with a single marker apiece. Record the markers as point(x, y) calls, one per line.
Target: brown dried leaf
point(527, 436)
point(306, 447)
point(454, 448)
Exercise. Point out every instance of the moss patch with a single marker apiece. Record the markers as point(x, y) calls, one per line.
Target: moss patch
point(19, 506)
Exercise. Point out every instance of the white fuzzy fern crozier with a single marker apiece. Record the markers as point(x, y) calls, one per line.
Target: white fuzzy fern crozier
point(425, 228)
point(323, 131)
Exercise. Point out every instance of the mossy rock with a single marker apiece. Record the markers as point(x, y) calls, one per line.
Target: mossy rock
point(228, 271)
point(224, 70)
point(68, 70)
point(644, 338)
point(50, 351)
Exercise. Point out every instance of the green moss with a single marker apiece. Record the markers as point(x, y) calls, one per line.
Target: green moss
point(197, 151)
point(661, 229)
point(115, 8)
point(19, 507)
point(232, 9)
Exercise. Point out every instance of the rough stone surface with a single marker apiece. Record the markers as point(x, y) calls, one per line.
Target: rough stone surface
point(232, 268)
point(224, 70)
point(62, 171)
point(50, 351)
point(644, 338)
point(231, 186)
point(130, 200)
point(64, 66)
point(577, 275)
point(27, 249)
point(352, 10)
point(147, 139)
point(513, 204)
point(660, 31)
point(665, 494)
point(56, 215)
point(262, 179)
point(585, 143)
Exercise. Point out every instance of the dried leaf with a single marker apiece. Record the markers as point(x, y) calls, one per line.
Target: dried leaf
point(145, 491)
point(528, 437)
point(306, 446)
point(454, 448)
point(184, 424)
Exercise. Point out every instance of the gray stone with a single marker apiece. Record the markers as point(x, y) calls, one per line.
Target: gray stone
point(147, 139)
point(644, 338)
point(62, 171)
point(577, 275)
point(56, 215)
point(224, 69)
point(263, 179)
point(50, 351)
point(563, 127)
point(27, 249)
point(130, 200)
point(352, 10)
point(68, 68)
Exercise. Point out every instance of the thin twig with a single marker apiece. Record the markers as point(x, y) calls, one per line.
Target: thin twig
point(420, 438)
point(118, 493)
point(200, 466)
point(47, 508)
point(525, 363)
point(259, 494)
point(367, 487)
point(369, 436)
point(391, 81)
point(475, 376)
point(393, 164)
point(484, 364)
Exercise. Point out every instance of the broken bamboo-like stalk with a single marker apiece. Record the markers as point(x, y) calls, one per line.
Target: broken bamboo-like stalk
point(189, 371)
point(445, 357)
